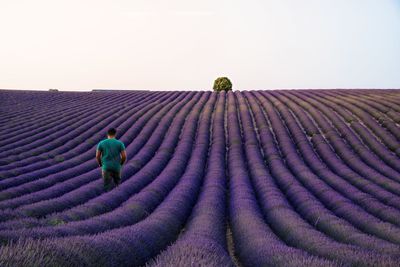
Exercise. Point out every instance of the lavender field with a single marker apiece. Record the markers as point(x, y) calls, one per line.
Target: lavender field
point(244, 178)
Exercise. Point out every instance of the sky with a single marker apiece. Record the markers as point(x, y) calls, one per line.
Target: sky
point(186, 45)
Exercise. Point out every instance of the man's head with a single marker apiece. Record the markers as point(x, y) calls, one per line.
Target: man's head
point(111, 132)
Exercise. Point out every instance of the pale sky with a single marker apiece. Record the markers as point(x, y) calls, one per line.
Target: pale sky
point(185, 44)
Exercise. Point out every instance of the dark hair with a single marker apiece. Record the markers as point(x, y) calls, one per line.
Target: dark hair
point(111, 131)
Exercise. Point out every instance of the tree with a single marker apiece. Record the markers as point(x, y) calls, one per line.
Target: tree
point(222, 84)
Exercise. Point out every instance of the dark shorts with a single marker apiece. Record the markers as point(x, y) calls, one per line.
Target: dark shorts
point(109, 177)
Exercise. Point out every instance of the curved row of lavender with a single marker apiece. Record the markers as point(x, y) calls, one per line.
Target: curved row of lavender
point(251, 178)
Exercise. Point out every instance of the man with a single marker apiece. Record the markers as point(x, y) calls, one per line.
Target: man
point(110, 155)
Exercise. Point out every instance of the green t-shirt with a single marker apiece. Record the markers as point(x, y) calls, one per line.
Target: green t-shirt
point(110, 154)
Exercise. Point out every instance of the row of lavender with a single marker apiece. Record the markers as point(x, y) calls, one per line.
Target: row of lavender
point(308, 177)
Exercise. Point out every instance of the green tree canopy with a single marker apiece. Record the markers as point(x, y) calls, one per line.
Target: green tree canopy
point(222, 84)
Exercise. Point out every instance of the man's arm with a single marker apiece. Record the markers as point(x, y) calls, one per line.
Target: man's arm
point(98, 157)
point(123, 156)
